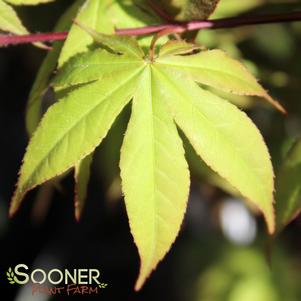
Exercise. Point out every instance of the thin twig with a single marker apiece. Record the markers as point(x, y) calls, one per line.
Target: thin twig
point(6, 40)
point(213, 24)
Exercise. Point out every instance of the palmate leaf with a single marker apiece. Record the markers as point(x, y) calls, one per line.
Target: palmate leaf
point(154, 173)
point(288, 188)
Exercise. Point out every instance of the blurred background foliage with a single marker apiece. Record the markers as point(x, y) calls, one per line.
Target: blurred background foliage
point(221, 253)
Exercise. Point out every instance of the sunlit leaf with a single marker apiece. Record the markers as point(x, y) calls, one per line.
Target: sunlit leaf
point(34, 105)
point(78, 71)
point(223, 136)
point(117, 44)
point(72, 128)
point(155, 178)
point(9, 21)
point(154, 173)
point(214, 68)
point(103, 16)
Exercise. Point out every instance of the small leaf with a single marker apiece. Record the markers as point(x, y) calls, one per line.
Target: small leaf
point(77, 40)
point(214, 68)
point(34, 105)
point(82, 175)
point(288, 188)
point(119, 44)
point(9, 21)
point(223, 136)
point(155, 177)
point(103, 16)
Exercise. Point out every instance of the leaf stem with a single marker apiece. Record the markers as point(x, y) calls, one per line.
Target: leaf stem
point(156, 37)
point(173, 27)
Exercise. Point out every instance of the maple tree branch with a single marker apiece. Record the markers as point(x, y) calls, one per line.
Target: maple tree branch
point(213, 24)
point(176, 27)
point(6, 40)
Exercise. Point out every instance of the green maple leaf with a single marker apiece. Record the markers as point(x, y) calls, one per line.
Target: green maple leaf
point(288, 187)
point(165, 94)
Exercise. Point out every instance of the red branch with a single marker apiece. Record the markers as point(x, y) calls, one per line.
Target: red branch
point(6, 40)
point(213, 24)
point(169, 27)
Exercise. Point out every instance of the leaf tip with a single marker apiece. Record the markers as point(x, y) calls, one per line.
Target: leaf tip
point(77, 210)
point(14, 204)
point(143, 275)
point(138, 285)
point(276, 104)
point(11, 212)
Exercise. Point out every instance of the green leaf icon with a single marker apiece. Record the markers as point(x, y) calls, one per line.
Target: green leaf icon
point(10, 276)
